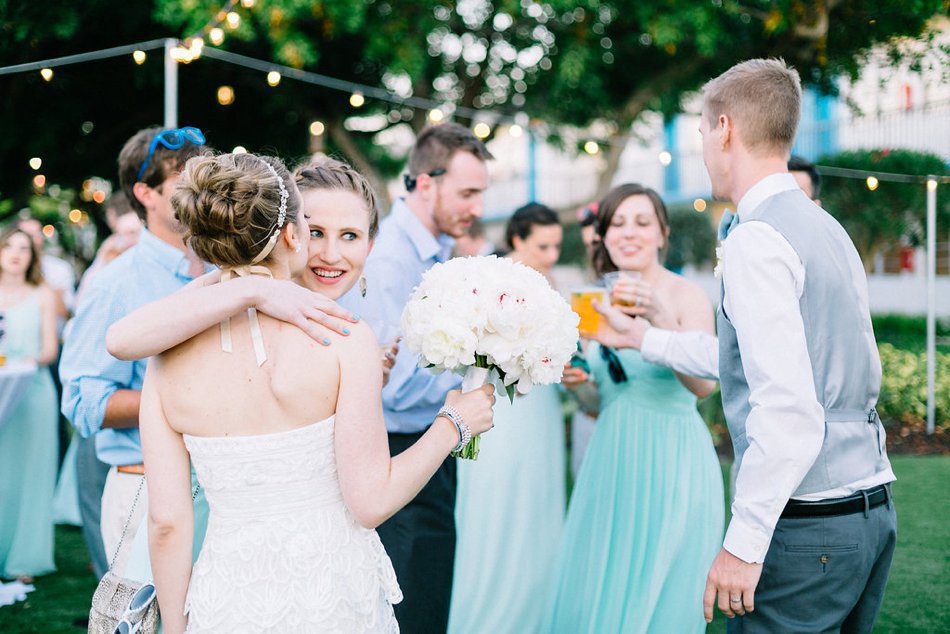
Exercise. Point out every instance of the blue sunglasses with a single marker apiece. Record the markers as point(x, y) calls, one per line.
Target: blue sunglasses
point(173, 140)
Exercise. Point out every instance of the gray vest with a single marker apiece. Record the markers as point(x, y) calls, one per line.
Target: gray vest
point(844, 358)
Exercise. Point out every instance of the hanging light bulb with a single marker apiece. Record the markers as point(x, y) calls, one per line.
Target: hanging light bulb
point(233, 20)
point(357, 99)
point(699, 205)
point(665, 158)
point(36, 162)
point(482, 130)
point(225, 95)
point(247, 4)
point(216, 35)
point(273, 78)
point(139, 57)
point(872, 182)
point(592, 147)
point(317, 128)
point(436, 115)
point(515, 130)
point(46, 73)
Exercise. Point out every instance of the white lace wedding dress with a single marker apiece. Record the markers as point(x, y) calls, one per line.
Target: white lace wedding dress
point(282, 552)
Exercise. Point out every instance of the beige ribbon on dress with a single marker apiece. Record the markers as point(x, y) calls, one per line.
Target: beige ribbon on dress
point(256, 337)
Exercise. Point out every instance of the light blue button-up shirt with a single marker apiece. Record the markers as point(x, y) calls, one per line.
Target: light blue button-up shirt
point(148, 271)
point(404, 250)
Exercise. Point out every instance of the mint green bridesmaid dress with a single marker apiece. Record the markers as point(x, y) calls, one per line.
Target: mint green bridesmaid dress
point(509, 513)
point(645, 519)
point(28, 455)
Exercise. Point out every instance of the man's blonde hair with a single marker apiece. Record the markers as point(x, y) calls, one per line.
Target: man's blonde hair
point(763, 98)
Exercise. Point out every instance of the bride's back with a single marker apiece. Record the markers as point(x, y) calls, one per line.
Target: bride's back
point(219, 393)
point(242, 213)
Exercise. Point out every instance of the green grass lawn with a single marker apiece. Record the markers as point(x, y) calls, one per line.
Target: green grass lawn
point(916, 599)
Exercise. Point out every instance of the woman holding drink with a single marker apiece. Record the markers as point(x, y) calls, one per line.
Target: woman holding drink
point(646, 515)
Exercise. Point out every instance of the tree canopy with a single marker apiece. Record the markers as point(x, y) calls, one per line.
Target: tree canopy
point(560, 62)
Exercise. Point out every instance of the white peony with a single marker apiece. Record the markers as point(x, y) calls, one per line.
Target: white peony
point(494, 313)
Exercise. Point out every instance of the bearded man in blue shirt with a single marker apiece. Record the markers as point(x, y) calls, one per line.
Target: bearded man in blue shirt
point(446, 183)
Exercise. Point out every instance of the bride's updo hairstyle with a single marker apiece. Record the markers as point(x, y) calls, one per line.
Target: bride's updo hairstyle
point(230, 206)
point(323, 172)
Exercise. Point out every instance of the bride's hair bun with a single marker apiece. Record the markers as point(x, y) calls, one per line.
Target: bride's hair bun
point(229, 205)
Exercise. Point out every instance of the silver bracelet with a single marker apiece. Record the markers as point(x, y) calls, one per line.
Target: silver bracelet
point(465, 433)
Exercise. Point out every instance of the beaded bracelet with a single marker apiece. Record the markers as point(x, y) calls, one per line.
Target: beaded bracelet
point(465, 433)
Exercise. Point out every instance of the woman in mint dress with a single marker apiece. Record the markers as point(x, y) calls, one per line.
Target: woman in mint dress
point(646, 516)
point(28, 435)
point(510, 503)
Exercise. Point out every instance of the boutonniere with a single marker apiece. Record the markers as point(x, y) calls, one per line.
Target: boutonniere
point(718, 270)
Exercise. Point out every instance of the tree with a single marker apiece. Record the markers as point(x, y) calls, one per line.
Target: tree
point(891, 211)
point(616, 60)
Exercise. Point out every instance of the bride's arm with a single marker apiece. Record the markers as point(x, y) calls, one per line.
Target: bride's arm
point(170, 507)
point(374, 485)
point(167, 322)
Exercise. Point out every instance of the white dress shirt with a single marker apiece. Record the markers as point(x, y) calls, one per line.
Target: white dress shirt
point(693, 352)
point(763, 280)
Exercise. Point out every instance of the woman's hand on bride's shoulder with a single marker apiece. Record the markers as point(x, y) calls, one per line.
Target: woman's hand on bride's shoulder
point(475, 407)
point(312, 312)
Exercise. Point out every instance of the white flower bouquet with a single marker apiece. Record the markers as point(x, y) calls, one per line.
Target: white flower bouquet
point(493, 319)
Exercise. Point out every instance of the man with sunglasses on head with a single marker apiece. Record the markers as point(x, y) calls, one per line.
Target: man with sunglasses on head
point(446, 182)
point(101, 393)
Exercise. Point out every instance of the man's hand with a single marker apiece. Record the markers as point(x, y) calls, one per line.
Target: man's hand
point(573, 377)
point(311, 312)
point(389, 353)
point(734, 582)
point(619, 330)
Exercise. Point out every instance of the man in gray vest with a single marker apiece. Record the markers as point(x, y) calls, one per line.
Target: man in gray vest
point(813, 529)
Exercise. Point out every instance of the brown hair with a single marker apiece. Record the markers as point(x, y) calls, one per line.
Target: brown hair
point(763, 97)
point(34, 272)
point(605, 214)
point(162, 164)
point(328, 173)
point(229, 205)
point(437, 144)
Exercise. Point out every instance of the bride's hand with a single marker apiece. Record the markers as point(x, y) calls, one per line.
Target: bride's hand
point(475, 407)
point(313, 313)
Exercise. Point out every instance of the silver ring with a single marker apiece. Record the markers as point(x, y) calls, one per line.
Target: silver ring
point(739, 600)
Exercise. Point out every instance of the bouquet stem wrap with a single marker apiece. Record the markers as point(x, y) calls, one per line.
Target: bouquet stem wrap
point(475, 377)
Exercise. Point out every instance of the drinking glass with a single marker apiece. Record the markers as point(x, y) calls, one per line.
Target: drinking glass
point(581, 303)
point(611, 279)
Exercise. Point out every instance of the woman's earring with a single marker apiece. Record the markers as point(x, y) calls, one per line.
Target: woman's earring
point(297, 250)
point(363, 285)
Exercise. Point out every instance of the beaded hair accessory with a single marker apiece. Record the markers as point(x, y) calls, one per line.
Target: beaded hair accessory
point(281, 215)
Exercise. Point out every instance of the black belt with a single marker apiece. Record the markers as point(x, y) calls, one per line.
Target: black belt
point(860, 502)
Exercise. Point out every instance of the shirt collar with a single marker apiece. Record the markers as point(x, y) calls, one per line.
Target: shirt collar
point(165, 255)
point(766, 188)
point(426, 245)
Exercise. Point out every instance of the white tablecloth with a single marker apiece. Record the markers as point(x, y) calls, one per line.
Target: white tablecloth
point(15, 378)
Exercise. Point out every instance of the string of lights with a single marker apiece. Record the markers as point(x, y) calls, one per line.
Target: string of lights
point(49, 64)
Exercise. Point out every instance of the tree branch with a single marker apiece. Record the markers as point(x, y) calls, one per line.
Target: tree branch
point(342, 137)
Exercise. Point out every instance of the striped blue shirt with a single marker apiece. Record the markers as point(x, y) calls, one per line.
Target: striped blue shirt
point(148, 271)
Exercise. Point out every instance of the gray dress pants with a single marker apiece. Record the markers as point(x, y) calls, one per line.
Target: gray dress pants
point(824, 574)
point(90, 480)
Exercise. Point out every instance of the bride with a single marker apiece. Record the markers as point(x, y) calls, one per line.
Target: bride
point(285, 433)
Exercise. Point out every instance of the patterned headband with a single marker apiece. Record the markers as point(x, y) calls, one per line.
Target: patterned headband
point(281, 215)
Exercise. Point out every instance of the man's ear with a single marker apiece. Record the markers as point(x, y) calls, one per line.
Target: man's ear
point(726, 130)
point(143, 193)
